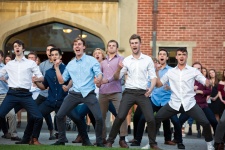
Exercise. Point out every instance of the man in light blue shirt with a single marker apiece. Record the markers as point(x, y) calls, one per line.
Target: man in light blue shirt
point(83, 70)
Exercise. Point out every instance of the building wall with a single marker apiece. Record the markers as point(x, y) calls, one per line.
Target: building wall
point(198, 25)
point(97, 17)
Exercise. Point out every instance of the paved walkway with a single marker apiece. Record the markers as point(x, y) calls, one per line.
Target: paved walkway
point(191, 142)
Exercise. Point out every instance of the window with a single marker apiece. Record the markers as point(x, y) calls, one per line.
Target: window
point(172, 55)
point(61, 35)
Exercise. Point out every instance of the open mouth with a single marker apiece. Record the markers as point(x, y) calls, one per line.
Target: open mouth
point(54, 60)
point(162, 59)
point(17, 51)
point(97, 57)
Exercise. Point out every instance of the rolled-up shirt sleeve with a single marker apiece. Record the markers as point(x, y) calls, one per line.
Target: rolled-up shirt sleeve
point(36, 70)
point(165, 78)
point(151, 70)
point(66, 75)
point(199, 77)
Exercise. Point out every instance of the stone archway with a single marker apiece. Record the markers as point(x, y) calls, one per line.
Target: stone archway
point(43, 17)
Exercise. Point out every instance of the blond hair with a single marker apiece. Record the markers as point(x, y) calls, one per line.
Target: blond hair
point(102, 51)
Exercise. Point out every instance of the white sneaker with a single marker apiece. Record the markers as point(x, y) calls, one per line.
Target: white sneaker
point(210, 146)
point(126, 139)
point(146, 147)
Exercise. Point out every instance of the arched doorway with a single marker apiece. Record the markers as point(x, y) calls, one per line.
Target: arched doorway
point(62, 35)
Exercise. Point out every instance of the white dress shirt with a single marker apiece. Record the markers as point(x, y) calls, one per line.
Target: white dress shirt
point(138, 71)
point(182, 86)
point(20, 73)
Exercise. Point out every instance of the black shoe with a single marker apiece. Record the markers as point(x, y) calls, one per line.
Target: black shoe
point(189, 131)
point(52, 137)
point(58, 143)
point(180, 146)
point(15, 138)
point(100, 145)
point(22, 142)
point(87, 143)
point(135, 143)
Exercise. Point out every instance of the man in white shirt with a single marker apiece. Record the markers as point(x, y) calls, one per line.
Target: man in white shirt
point(20, 72)
point(138, 68)
point(181, 79)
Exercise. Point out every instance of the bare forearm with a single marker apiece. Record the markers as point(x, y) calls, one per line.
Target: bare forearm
point(117, 74)
point(40, 85)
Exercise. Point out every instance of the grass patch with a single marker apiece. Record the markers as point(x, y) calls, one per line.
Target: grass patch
point(50, 147)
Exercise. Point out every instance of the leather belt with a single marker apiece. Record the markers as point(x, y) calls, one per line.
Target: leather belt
point(19, 89)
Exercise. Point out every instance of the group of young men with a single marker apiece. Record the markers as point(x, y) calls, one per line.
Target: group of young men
point(85, 73)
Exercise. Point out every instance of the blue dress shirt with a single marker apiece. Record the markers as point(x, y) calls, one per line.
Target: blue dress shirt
point(55, 91)
point(82, 73)
point(160, 96)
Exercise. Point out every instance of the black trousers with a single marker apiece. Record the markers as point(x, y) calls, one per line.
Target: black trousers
point(195, 112)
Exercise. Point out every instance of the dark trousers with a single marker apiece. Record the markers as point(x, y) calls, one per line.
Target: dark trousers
point(195, 112)
point(137, 122)
point(3, 125)
point(209, 115)
point(71, 101)
point(129, 98)
point(14, 98)
point(84, 110)
point(177, 128)
point(220, 130)
point(141, 124)
point(48, 119)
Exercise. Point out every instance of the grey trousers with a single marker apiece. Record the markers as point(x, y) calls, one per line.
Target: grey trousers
point(129, 98)
point(195, 112)
point(220, 129)
point(104, 100)
point(70, 102)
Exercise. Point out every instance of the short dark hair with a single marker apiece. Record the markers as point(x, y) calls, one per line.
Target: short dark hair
point(181, 49)
point(19, 42)
point(32, 53)
point(1, 53)
point(113, 41)
point(79, 38)
point(163, 49)
point(135, 36)
point(56, 49)
point(197, 63)
point(52, 45)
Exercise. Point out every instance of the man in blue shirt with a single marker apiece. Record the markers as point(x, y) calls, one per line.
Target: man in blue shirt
point(85, 72)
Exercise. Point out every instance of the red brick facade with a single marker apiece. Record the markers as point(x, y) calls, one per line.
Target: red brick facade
point(201, 21)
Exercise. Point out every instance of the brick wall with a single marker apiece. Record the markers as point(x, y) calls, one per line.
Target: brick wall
point(202, 21)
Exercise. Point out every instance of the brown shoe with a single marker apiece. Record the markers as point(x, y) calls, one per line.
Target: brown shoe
point(78, 139)
point(155, 147)
point(34, 141)
point(108, 144)
point(123, 144)
point(169, 143)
